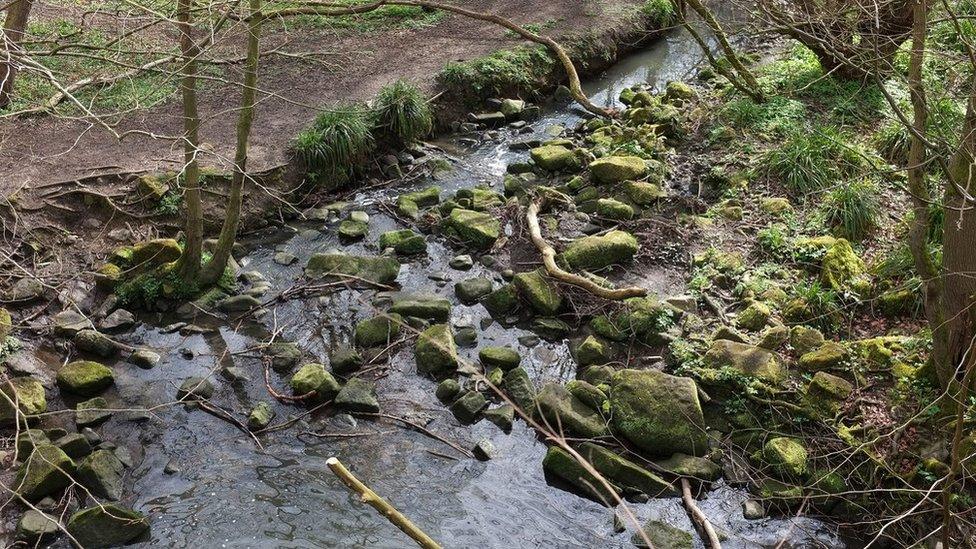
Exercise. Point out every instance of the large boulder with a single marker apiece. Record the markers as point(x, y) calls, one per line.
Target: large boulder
point(84, 377)
point(592, 253)
point(625, 473)
point(101, 472)
point(106, 525)
point(380, 270)
point(562, 464)
point(27, 392)
point(658, 412)
point(561, 410)
point(478, 230)
point(747, 359)
point(46, 472)
point(830, 355)
point(540, 292)
point(436, 352)
point(617, 169)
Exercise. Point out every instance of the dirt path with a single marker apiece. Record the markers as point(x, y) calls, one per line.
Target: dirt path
point(39, 150)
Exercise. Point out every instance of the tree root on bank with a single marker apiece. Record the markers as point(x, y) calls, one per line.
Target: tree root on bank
point(549, 260)
point(697, 517)
point(373, 499)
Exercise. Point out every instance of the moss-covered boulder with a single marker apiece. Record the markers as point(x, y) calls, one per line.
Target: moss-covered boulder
point(505, 358)
point(617, 169)
point(563, 465)
point(539, 291)
point(404, 242)
point(560, 409)
point(826, 392)
point(345, 360)
point(830, 355)
point(663, 535)
point(786, 457)
point(473, 289)
point(6, 325)
point(588, 394)
point(29, 395)
point(804, 339)
point(84, 377)
point(658, 412)
point(610, 208)
point(503, 301)
point(313, 378)
point(436, 352)
point(754, 317)
point(555, 158)
point(625, 473)
point(260, 416)
point(477, 230)
point(747, 359)
point(643, 193)
point(379, 330)
point(95, 342)
point(426, 307)
point(155, 252)
point(519, 388)
point(840, 264)
point(694, 467)
point(592, 253)
point(351, 229)
point(380, 270)
point(101, 472)
point(106, 525)
point(45, 472)
point(774, 337)
point(592, 351)
point(467, 409)
point(358, 395)
point(775, 206)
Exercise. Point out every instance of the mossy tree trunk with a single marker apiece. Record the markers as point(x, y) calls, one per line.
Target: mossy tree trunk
point(14, 25)
point(188, 266)
point(232, 216)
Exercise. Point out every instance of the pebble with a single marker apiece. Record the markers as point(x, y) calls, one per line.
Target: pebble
point(171, 468)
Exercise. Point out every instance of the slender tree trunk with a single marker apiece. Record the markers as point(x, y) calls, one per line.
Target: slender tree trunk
point(14, 26)
point(228, 231)
point(741, 70)
point(189, 263)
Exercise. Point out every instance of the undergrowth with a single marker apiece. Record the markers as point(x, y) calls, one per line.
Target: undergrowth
point(401, 113)
point(337, 143)
point(853, 208)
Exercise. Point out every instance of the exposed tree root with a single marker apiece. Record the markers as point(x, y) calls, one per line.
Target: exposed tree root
point(699, 518)
point(549, 260)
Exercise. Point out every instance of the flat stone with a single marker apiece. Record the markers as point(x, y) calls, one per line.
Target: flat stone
point(84, 377)
point(92, 412)
point(101, 472)
point(106, 525)
point(144, 358)
point(358, 395)
point(470, 291)
point(195, 388)
point(118, 320)
point(35, 525)
point(461, 262)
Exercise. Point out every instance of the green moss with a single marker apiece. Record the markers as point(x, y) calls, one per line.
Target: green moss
point(661, 12)
point(539, 291)
point(403, 241)
point(829, 355)
point(840, 264)
point(476, 229)
point(379, 330)
point(785, 456)
point(84, 377)
point(27, 392)
point(436, 352)
point(658, 412)
point(505, 358)
point(617, 169)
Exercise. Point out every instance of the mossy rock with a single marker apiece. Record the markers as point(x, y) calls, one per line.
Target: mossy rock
point(555, 158)
point(503, 301)
point(425, 197)
point(34, 526)
point(560, 409)
point(592, 253)
point(447, 390)
point(350, 229)
point(92, 412)
point(746, 359)
point(663, 535)
point(45, 473)
point(379, 330)
point(85, 377)
point(786, 457)
point(830, 355)
point(345, 360)
point(900, 302)
point(107, 525)
point(774, 337)
point(6, 325)
point(644, 194)
point(592, 351)
point(108, 276)
point(724, 262)
point(479, 199)
point(617, 169)
point(467, 409)
point(380, 270)
point(94, 342)
point(658, 412)
point(312, 378)
point(519, 388)
point(285, 355)
point(539, 291)
point(404, 242)
point(753, 317)
point(560, 463)
point(840, 264)
point(550, 328)
point(502, 416)
point(616, 210)
point(427, 308)
point(775, 206)
point(27, 392)
point(505, 358)
point(260, 416)
point(643, 318)
point(358, 395)
point(473, 289)
point(587, 393)
point(804, 339)
point(826, 392)
point(697, 468)
point(155, 252)
point(436, 352)
point(101, 472)
point(677, 91)
point(478, 230)
point(625, 473)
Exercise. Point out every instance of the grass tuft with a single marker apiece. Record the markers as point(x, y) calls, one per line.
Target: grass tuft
point(337, 143)
point(401, 113)
point(853, 208)
point(808, 161)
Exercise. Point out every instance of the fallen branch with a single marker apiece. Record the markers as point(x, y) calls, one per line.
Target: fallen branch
point(699, 518)
point(549, 260)
point(422, 429)
point(221, 414)
point(372, 499)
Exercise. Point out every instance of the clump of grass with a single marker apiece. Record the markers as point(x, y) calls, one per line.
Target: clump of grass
point(337, 143)
point(853, 208)
point(661, 12)
point(815, 304)
point(808, 161)
point(504, 72)
point(775, 117)
point(401, 113)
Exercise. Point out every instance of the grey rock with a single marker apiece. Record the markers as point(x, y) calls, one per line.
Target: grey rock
point(97, 343)
point(238, 303)
point(461, 262)
point(144, 358)
point(119, 319)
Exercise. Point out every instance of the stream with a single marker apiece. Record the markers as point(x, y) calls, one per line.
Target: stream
point(221, 491)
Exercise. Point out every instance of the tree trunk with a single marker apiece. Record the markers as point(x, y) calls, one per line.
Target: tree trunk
point(14, 26)
point(740, 69)
point(189, 263)
point(228, 231)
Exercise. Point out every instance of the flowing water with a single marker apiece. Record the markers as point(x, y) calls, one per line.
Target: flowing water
point(228, 493)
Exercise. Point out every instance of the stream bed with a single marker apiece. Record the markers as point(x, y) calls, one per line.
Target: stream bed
point(219, 490)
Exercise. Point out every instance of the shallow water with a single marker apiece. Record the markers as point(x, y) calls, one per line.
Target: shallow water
point(228, 493)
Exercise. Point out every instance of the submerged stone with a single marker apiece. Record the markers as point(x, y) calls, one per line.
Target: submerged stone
point(84, 377)
point(380, 270)
point(345, 360)
point(285, 355)
point(195, 388)
point(550, 328)
point(106, 525)
point(593, 253)
point(95, 342)
point(92, 412)
point(659, 413)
